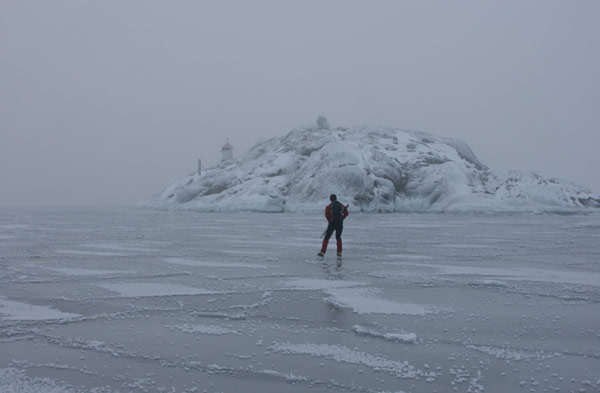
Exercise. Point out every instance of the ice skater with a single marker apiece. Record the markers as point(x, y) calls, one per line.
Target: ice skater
point(335, 213)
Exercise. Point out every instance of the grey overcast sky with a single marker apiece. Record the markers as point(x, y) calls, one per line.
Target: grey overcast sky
point(105, 102)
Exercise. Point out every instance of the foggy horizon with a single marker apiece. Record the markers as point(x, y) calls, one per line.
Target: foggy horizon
point(107, 103)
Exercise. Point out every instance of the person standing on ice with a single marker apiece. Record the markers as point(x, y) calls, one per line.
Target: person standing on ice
point(335, 213)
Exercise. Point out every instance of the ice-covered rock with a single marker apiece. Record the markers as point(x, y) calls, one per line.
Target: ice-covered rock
point(371, 168)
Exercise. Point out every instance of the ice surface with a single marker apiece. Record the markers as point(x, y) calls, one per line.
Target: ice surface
point(172, 301)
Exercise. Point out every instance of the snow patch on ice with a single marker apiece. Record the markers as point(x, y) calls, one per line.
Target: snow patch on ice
point(316, 284)
point(467, 246)
point(91, 253)
point(289, 377)
point(13, 380)
point(512, 274)
point(245, 252)
point(343, 294)
point(18, 311)
point(402, 337)
point(523, 274)
point(407, 256)
point(87, 272)
point(363, 302)
point(506, 353)
point(204, 329)
point(153, 289)
point(9, 227)
point(587, 225)
point(343, 354)
point(488, 283)
point(119, 247)
point(198, 263)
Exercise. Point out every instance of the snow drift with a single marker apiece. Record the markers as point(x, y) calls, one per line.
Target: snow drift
point(371, 168)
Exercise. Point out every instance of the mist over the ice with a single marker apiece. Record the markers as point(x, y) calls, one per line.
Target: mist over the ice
point(106, 102)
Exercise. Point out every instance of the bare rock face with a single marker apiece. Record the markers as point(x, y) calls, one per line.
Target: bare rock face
point(373, 169)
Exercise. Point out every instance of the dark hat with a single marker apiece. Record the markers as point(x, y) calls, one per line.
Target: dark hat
point(332, 197)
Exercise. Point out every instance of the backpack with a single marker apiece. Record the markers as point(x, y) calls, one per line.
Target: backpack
point(336, 211)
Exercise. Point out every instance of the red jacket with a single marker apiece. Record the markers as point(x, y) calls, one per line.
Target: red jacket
point(329, 214)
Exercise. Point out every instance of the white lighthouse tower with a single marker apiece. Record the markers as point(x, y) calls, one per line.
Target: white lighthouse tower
point(227, 151)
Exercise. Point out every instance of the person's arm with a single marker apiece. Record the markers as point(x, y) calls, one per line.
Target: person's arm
point(346, 213)
point(328, 213)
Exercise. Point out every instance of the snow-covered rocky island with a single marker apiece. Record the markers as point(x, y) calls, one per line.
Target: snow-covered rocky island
point(375, 168)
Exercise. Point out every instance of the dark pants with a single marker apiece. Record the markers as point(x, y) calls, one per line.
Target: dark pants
point(338, 227)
